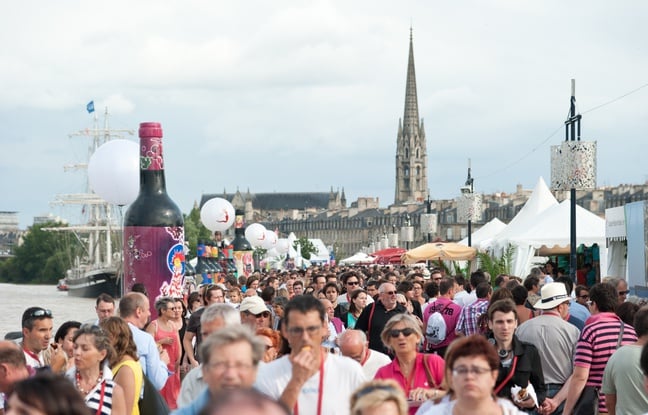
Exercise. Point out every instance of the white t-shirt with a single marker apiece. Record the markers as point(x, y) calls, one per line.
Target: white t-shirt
point(342, 375)
point(376, 361)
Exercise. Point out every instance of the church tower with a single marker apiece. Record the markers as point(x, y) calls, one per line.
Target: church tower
point(411, 150)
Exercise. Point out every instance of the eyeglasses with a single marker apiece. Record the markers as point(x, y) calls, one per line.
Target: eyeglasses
point(299, 331)
point(264, 314)
point(353, 283)
point(405, 332)
point(223, 366)
point(475, 370)
point(390, 292)
point(624, 292)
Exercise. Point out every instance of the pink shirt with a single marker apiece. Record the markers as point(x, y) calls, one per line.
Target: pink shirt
point(419, 379)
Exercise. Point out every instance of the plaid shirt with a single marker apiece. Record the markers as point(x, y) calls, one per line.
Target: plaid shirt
point(469, 317)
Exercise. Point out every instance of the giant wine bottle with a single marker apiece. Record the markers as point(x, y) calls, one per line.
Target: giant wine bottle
point(241, 247)
point(153, 226)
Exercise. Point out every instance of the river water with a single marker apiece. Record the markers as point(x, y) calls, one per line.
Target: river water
point(14, 299)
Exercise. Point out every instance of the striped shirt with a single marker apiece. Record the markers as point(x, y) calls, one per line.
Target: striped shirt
point(597, 343)
point(95, 401)
point(469, 318)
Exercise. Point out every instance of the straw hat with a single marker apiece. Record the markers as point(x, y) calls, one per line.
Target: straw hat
point(552, 295)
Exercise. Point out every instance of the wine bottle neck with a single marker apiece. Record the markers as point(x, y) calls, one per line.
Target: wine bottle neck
point(152, 182)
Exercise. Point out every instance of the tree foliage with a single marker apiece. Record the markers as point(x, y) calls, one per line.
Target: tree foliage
point(195, 230)
point(307, 247)
point(43, 257)
point(495, 266)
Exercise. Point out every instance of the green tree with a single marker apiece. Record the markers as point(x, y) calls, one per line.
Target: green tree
point(307, 247)
point(41, 259)
point(495, 266)
point(195, 230)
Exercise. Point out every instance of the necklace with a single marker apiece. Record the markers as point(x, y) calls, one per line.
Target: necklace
point(78, 382)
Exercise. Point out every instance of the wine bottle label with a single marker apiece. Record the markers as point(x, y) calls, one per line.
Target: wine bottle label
point(155, 257)
point(244, 261)
point(151, 154)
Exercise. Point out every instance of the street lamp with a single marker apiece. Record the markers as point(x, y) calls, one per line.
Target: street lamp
point(573, 166)
point(469, 206)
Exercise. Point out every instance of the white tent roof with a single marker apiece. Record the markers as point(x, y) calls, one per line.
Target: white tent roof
point(358, 258)
point(485, 233)
point(552, 228)
point(541, 199)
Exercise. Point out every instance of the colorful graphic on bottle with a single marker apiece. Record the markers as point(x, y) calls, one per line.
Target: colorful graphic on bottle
point(155, 257)
point(151, 153)
point(244, 262)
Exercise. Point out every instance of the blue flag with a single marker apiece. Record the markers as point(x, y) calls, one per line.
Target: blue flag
point(90, 107)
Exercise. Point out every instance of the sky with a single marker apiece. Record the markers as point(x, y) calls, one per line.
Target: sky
point(302, 96)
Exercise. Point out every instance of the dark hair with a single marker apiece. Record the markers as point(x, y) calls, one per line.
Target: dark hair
point(138, 287)
point(475, 345)
point(51, 394)
point(64, 329)
point(329, 285)
point(476, 278)
point(354, 295)
point(520, 294)
point(580, 288)
point(530, 282)
point(482, 290)
point(105, 298)
point(209, 289)
point(348, 275)
point(280, 301)
point(500, 279)
point(640, 322)
point(446, 285)
point(298, 282)
point(404, 286)
point(501, 294)
point(304, 304)
point(605, 297)
point(268, 293)
point(503, 306)
point(121, 339)
point(431, 289)
point(32, 314)
point(626, 312)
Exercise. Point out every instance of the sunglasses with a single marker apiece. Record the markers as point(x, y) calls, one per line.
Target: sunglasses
point(584, 297)
point(390, 292)
point(353, 283)
point(405, 332)
point(41, 312)
point(624, 292)
point(264, 314)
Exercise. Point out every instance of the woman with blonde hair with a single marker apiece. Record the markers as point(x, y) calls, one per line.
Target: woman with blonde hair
point(127, 371)
point(379, 397)
point(419, 375)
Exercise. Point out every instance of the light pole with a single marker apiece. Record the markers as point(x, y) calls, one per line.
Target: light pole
point(469, 206)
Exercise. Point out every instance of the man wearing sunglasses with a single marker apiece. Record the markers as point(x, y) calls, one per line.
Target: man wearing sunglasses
point(37, 332)
point(309, 380)
point(373, 318)
point(255, 313)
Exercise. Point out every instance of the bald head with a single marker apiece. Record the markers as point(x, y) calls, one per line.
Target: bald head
point(134, 308)
point(353, 344)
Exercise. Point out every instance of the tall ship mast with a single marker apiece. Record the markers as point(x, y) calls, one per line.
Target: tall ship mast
point(95, 248)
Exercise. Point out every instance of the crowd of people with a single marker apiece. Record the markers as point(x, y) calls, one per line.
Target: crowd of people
point(341, 340)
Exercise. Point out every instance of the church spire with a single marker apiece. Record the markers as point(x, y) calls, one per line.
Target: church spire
point(411, 116)
point(411, 152)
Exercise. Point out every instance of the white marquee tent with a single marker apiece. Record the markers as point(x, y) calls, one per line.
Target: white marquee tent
point(485, 233)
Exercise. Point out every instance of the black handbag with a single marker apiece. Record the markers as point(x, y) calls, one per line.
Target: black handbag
point(587, 404)
point(152, 401)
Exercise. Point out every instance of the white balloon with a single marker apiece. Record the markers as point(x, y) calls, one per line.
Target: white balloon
point(283, 245)
point(217, 214)
point(255, 234)
point(113, 171)
point(270, 240)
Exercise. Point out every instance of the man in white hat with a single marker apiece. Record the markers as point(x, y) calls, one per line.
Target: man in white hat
point(255, 313)
point(555, 340)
